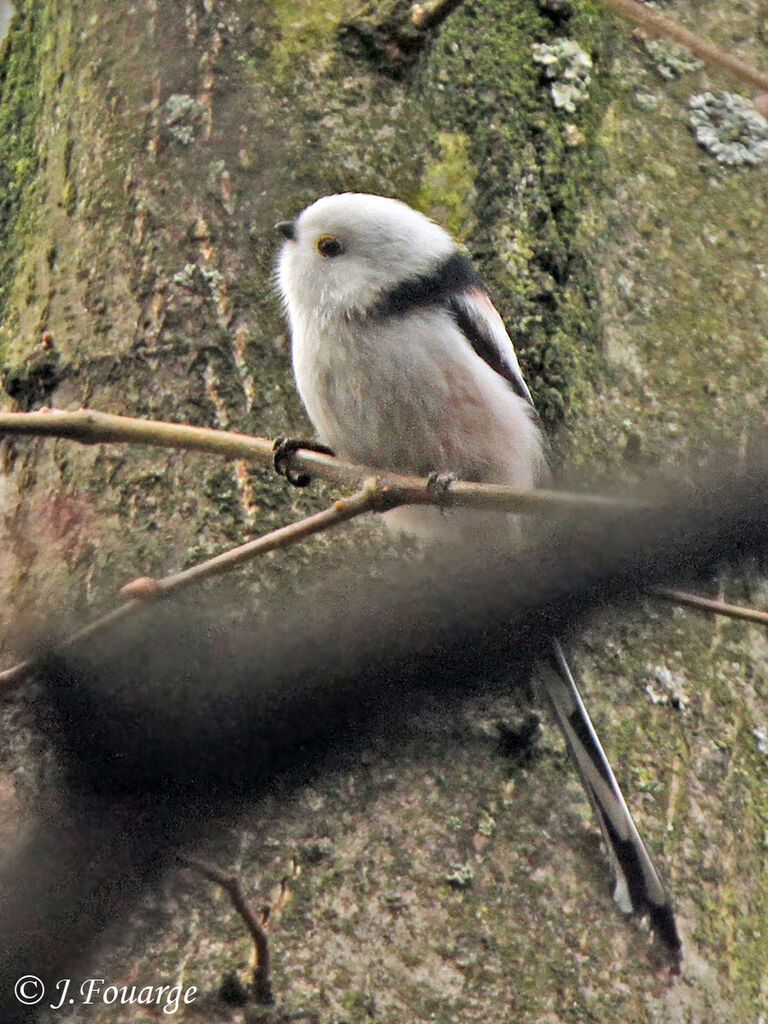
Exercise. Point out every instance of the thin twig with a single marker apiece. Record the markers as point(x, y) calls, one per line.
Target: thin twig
point(426, 16)
point(11, 677)
point(711, 606)
point(658, 25)
point(232, 884)
point(368, 499)
point(140, 591)
point(87, 426)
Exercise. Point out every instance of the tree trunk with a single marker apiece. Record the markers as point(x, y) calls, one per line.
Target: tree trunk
point(146, 150)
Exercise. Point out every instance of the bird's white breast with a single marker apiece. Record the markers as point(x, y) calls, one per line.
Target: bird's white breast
point(409, 394)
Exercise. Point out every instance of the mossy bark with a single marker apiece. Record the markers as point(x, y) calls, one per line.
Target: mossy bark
point(148, 148)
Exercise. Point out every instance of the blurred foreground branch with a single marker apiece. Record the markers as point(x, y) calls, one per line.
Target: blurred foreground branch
point(378, 493)
point(172, 719)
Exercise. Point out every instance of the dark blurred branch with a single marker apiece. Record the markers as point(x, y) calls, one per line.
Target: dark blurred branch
point(170, 721)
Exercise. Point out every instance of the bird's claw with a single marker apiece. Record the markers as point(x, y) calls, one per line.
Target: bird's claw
point(439, 484)
point(283, 450)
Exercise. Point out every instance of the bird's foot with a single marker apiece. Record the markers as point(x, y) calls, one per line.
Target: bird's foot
point(284, 448)
point(439, 485)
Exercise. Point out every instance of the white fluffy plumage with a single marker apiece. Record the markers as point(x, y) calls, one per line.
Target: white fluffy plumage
point(387, 374)
point(403, 363)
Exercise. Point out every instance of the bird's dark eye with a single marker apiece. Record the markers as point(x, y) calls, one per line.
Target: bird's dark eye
point(329, 245)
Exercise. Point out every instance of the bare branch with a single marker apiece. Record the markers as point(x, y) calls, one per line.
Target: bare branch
point(146, 589)
point(658, 25)
point(88, 426)
point(708, 604)
point(366, 500)
point(232, 885)
point(11, 677)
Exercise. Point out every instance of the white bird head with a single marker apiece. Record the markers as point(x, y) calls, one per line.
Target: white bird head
point(345, 251)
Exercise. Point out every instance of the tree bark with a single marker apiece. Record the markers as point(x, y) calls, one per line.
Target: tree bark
point(146, 150)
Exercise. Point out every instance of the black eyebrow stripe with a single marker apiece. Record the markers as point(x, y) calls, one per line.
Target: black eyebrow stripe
point(453, 274)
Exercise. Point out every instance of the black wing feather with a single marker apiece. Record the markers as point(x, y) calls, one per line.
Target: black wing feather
point(455, 285)
point(487, 343)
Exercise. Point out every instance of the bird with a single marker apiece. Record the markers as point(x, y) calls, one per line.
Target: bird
point(403, 363)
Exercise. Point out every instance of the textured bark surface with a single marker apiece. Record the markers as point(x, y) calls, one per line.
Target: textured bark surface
point(145, 151)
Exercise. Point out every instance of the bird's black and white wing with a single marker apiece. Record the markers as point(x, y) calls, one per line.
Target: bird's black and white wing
point(455, 285)
point(481, 324)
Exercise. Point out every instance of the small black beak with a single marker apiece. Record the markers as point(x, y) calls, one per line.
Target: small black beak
point(287, 229)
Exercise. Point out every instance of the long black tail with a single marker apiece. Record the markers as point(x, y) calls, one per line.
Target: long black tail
point(639, 890)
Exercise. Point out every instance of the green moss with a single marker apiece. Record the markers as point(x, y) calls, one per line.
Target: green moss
point(531, 170)
point(303, 27)
point(20, 104)
point(446, 190)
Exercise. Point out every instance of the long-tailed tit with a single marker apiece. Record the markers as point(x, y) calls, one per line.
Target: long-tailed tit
point(404, 363)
